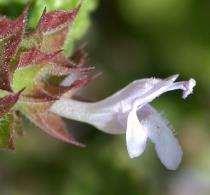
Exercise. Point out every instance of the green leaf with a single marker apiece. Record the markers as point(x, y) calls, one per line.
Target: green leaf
point(25, 78)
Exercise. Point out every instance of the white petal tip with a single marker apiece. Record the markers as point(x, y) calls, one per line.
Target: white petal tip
point(136, 135)
point(174, 163)
point(173, 159)
point(136, 149)
point(189, 85)
point(133, 153)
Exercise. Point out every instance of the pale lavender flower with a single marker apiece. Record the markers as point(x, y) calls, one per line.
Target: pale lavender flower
point(128, 111)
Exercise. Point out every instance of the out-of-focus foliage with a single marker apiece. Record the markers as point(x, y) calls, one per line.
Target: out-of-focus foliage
point(6, 134)
point(178, 30)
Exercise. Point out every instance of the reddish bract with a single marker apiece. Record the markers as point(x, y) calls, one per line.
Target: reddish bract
point(7, 102)
point(42, 49)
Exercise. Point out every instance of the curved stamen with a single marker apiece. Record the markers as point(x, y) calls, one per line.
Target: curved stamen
point(186, 86)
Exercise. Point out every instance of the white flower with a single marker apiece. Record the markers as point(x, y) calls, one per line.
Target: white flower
point(129, 111)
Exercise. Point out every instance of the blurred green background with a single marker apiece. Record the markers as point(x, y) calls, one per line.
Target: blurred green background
point(127, 40)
